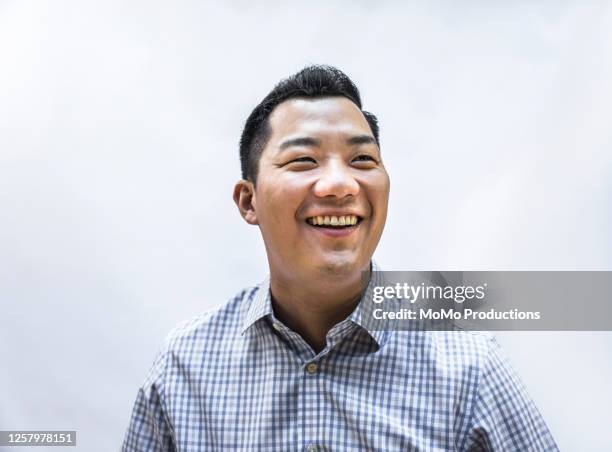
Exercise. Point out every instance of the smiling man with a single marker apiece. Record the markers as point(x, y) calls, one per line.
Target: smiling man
point(291, 364)
point(319, 194)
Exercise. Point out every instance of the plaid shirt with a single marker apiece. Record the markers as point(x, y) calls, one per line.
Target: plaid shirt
point(237, 379)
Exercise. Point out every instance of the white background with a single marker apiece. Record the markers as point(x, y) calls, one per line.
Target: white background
point(119, 124)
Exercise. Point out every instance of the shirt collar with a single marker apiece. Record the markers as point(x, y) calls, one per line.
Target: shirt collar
point(362, 315)
point(261, 306)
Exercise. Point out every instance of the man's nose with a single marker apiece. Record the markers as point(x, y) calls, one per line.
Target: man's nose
point(336, 179)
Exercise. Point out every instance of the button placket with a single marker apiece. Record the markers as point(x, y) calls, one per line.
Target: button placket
point(311, 405)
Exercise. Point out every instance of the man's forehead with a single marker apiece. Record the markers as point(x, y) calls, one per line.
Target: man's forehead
point(314, 115)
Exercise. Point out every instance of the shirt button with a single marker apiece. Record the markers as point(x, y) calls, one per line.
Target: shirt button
point(312, 448)
point(277, 326)
point(312, 369)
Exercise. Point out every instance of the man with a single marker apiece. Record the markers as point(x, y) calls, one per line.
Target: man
point(291, 365)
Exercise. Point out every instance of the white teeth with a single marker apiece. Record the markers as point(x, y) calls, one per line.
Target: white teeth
point(333, 220)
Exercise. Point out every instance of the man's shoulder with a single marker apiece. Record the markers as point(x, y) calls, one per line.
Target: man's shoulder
point(460, 339)
point(219, 323)
point(200, 337)
point(457, 347)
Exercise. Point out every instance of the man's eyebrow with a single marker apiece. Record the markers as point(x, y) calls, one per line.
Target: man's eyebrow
point(300, 141)
point(361, 139)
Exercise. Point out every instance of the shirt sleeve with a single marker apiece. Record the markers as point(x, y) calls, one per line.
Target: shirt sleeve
point(504, 417)
point(150, 429)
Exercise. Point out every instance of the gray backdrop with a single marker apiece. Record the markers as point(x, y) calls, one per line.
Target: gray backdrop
point(119, 123)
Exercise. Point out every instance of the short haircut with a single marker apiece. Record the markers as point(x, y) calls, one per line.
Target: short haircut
point(311, 82)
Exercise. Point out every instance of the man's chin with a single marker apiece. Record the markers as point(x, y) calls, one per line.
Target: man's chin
point(340, 265)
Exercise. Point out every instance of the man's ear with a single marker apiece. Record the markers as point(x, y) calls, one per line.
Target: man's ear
point(244, 197)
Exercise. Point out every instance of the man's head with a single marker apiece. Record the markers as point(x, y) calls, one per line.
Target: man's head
point(310, 157)
point(310, 82)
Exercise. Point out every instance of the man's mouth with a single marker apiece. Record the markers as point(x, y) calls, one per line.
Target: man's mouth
point(333, 221)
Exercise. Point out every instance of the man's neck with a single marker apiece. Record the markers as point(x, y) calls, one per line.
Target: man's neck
point(311, 310)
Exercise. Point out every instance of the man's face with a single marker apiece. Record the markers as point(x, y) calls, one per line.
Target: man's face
point(322, 190)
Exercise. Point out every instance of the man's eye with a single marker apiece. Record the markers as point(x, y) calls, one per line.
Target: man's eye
point(365, 158)
point(302, 160)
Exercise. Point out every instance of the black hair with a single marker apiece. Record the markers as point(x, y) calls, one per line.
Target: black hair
point(311, 82)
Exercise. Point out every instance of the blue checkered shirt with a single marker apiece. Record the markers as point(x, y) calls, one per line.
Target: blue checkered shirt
point(237, 379)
